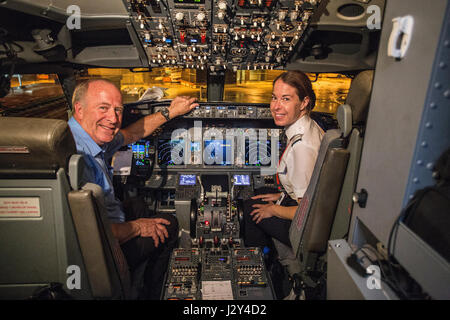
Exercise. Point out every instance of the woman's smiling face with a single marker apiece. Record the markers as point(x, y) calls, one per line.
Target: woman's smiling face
point(286, 106)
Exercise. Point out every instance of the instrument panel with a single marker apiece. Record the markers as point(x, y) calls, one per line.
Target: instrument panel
point(192, 270)
point(201, 167)
point(210, 152)
point(213, 136)
point(220, 34)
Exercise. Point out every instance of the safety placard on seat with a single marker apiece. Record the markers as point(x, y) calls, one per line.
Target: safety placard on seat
point(20, 207)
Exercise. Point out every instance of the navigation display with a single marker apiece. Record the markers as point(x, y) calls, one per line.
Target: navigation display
point(257, 154)
point(170, 152)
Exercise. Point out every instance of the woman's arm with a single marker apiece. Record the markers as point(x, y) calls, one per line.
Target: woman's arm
point(264, 211)
point(268, 196)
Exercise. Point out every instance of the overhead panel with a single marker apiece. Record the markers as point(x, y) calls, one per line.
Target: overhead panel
point(220, 34)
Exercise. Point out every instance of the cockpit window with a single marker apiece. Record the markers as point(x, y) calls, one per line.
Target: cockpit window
point(35, 95)
point(250, 85)
point(243, 86)
point(41, 95)
point(172, 81)
point(256, 86)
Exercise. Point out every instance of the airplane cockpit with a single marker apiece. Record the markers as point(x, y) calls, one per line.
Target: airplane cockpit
point(350, 237)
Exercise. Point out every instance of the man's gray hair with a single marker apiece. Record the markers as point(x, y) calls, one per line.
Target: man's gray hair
point(82, 88)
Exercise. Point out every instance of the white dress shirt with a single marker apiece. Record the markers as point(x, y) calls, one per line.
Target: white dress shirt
point(297, 162)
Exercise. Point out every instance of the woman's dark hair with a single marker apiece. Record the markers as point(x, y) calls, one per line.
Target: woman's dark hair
point(300, 81)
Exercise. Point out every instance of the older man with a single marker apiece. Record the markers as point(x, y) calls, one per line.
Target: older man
point(96, 127)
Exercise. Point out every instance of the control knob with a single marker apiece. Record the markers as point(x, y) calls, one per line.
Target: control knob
point(221, 14)
point(179, 16)
point(201, 16)
point(222, 5)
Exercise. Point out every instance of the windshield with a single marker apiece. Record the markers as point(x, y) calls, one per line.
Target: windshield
point(41, 95)
point(243, 86)
point(35, 95)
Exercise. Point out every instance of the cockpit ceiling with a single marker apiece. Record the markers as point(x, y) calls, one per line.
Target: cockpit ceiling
point(218, 35)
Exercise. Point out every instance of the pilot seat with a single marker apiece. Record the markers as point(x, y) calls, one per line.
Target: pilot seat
point(323, 214)
point(56, 239)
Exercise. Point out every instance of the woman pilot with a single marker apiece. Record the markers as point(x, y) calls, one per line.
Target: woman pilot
point(269, 215)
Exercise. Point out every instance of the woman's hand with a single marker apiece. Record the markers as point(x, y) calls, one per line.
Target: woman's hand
point(263, 211)
point(268, 197)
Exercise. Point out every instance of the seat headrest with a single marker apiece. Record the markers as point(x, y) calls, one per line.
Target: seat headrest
point(358, 97)
point(344, 119)
point(31, 143)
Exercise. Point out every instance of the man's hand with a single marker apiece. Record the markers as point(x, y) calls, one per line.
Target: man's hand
point(154, 228)
point(268, 197)
point(263, 211)
point(182, 105)
point(146, 125)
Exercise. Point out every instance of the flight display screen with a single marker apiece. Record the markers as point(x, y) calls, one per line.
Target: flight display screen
point(241, 179)
point(209, 152)
point(217, 152)
point(187, 179)
point(140, 151)
point(170, 152)
point(257, 154)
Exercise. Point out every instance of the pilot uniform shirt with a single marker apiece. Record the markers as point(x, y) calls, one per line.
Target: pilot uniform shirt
point(96, 169)
point(297, 162)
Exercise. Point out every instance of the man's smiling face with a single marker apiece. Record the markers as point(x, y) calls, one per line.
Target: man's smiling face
point(100, 111)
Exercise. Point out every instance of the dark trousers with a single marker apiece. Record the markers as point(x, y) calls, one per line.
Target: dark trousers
point(261, 234)
point(140, 250)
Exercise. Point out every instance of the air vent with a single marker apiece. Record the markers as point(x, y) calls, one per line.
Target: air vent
point(351, 11)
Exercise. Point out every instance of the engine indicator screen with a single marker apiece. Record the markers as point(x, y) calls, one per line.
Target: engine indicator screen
point(241, 179)
point(187, 179)
point(217, 152)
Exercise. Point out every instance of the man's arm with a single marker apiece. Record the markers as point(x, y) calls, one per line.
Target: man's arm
point(146, 125)
point(144, 227)
point(125, 231)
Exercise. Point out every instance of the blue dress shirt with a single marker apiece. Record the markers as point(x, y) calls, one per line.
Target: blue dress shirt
point(97, 169)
